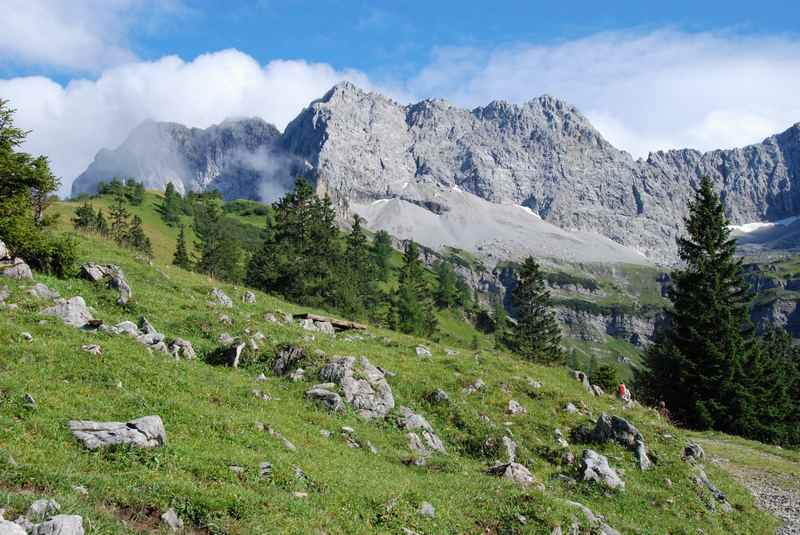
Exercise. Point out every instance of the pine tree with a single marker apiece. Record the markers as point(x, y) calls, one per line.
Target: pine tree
point(357, 292)
point(537, 335)
point(119, 220)
point(171, 208)
point(697, 367)
point(301, 256)
point(181, 256)
point(220, 254)
point(136, 237)
point(84, 218)
point(605, 376)
point(134, 192)
point(382, 254)
point(412, 309)
point(446, 293)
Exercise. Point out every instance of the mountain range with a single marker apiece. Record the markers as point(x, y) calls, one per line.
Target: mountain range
point(501, 181)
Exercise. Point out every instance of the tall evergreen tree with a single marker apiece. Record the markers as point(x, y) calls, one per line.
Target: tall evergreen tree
point(447, 293)
point(301, 254)
point(220, 255)
point(136, 237)
point(537, 335)
point(134, 192)
point(382, 254)
point(101, 224)
point(357, 291)
point(181, 256)
point(697, 367)
point(171, 208)
point(119, 219)
point(412, 309)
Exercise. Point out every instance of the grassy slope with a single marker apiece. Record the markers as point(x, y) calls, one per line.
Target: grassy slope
point(210, 416)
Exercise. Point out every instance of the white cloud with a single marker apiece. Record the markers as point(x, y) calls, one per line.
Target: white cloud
point(71, 123)
point(643, 91)
point(75, 35)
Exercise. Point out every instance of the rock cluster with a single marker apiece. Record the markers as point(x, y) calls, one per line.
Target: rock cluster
point(595, 467)
point(42, 518)
point(364, 386)
point(422, 440)
point(113, 274)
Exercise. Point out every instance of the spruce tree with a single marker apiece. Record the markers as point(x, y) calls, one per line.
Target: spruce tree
point(84, 218)
point(134, 192)
point(537, 335)
point(412, 309)
point(382, 254)
point(170, 209)
point(181, 256)
point(697, 367)
point(446, 293)
point(357, 290)
point(136, 237)
point(119, 220)
point(220, 254)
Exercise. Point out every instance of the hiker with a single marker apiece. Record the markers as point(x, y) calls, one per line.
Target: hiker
point(623, 392)
point(663, 411)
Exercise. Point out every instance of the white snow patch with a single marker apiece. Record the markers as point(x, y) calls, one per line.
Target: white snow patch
point(534, 214)
point(746, 228)
point(380, 201)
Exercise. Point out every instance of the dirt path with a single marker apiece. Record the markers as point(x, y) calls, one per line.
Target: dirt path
point(776, 489)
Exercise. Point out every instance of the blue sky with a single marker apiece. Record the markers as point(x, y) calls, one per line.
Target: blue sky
point(649, 76)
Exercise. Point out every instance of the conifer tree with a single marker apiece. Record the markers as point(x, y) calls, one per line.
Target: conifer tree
point(134, 192)
point(412, 309)
point(119, 220)
point(382, 254)
point(181, 256)
point(697, 367)
point(357, 284)
point(136, 237)
point(220, 255)
point(170, 209)
point(447, 293)
point(537, 335)
point(84, 218)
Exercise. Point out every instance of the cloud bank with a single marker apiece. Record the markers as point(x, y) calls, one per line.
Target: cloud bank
point(71, 123)
point(644, 91)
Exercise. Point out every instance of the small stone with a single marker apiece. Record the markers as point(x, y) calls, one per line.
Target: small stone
point(427, 510)
point(515, 408)
point(438, 396)
point(265, 470)
point(668, 483)
point(236, 469)
point(515, 472)
point(94, 349)
point(372, 448)
point(325, 433)
point(27, 336)
point(80, 489)
point(42, 508)
point(261, 378)
point(249, 297)
point(298, 375)
point(298, 494)
point(474, 387)
point(595, 467)
point(28, 401)
point(570, 408)
point(225, 319)
point(423, 352)
point(172, 520)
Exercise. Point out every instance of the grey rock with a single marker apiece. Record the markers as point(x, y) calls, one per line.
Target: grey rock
point(289, 358)
point(249, 297)
point(28, 337)
point(124, 289)
point(427, 510)
point(328, 399)
point(60, 525)
point(235, 157)
point(42, 291)
point(171, 519)
point(308, 325)
point(515, 408)
point(73, 311)
point(411, 421)
point(220, 298)
point(265, 470)
point(510, 448)
point(423, 352)
point(641, 454)
point(473, 387)
point(261, 378)
point(298, 375)
point(325, 327)
point(285, 441)
point(514, 472)
point(182, 349)
point(595, 467)
point(126, 327)
point(15, 269)
point(80, 489)
point(28, 401)
point(702, 480)
point(145, 432)
point(4, 252)
point(115, 276)
point(616, 429)
point(570, 408)
point(94, 349)
point(5, 293)
point(438, 396)
point(11, 528)
point(226, 339)
point(693, 452)
point(594, 520)
point(41, 509)
point(560, 440)
point(364, 386)
point(584, 380)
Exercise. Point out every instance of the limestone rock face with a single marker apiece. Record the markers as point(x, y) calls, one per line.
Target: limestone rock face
point(364, 386)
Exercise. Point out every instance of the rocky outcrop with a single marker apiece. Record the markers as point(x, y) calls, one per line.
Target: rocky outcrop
point(145, 432)
point(595, 467)
point(73, 311)
point(113, 275)
point(12, 267)
point(437, 162)
point(364, 386)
